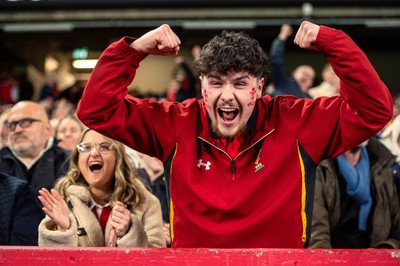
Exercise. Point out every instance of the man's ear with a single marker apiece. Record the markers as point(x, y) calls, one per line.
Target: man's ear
point(201, 85)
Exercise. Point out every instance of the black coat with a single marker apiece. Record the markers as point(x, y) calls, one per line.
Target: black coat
point(52, 165)
point(19, 214)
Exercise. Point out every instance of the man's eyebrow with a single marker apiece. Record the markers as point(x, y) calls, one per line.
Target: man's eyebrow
point(213, 76)
point(244, 76)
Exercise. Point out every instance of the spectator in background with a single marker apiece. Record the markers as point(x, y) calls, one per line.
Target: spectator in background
point(302, 77)
point(173, 89)
point(26, 89)
point(19, 214)
point(3, 128)
point(9, 90)
point(49, 94)
point(329, 85)
point(356, 200)
point(396, 104)
point(61, 108)
point(49, 89)
point(32, 153)
point(390, 137)
point(68, 131)
point(108, 205)
point(184, 83)
point(73, 93)
point(152, 171)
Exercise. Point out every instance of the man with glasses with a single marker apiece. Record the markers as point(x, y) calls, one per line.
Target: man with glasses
point(32, 153)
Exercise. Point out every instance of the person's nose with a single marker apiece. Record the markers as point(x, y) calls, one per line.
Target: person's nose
point(68, 133)
point(18, 128)
point(94, 151)
point(227, 93)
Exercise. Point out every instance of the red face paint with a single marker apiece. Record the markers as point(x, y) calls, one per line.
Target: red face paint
point(253, 93)
point(205, 94)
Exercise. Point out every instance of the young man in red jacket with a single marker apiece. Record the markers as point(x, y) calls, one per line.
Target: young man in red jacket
point(241, 165)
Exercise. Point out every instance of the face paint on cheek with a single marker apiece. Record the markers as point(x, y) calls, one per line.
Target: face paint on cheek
point(205, 94)
point(253, 93)
point(253, 96)
point(205, 97)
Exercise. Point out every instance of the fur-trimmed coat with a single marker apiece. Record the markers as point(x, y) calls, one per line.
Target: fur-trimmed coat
point(146, 229)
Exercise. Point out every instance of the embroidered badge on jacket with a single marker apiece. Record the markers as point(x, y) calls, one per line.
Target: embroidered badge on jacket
point(258, 164)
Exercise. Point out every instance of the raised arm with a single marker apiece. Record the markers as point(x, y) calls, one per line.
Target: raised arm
point(364, 105)
point(280, 79)
point(107, 107)
point(160, 41)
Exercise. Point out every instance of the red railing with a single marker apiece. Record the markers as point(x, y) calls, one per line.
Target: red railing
point(42, 256)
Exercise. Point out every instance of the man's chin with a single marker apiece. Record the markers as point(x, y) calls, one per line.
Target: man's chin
point(231, 133)
point(21, 151)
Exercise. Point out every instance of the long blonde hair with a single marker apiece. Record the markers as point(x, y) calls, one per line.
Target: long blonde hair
point(127, 186)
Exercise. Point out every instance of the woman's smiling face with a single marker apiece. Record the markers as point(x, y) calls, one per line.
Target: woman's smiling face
point(98, 164)
point(230, 101)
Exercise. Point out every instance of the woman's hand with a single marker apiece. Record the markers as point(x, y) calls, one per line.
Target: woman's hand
point(167, 234)
point(120, 219)
point(56, 208)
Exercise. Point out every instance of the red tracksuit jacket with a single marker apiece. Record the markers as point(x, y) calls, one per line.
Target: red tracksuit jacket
point(263, 197)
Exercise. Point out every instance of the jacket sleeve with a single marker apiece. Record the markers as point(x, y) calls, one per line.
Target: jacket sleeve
point(26, 218)
point(361, 88)
point(147, 232)
point(48, 236)
point(320, 231)
point(394, 202)
point(142, 124)
point(328, 126)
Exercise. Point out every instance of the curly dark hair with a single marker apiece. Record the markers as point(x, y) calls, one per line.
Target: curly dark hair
point(233, 51)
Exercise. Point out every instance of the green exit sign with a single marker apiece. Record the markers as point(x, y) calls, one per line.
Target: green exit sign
point(80, 53)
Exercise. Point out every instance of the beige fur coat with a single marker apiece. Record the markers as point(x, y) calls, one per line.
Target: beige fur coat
point(146, 229)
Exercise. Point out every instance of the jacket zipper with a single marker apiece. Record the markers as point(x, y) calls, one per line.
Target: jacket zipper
point(233, 164)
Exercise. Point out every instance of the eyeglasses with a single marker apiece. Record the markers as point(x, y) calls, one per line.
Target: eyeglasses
point(86, 147)
point(24, 123)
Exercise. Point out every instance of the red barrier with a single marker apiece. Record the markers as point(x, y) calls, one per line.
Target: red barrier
point(206, 257)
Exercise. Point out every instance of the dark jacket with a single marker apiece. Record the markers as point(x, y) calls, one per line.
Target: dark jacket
point(52, 164)
point(19, 214)
point(385, 210)
point(159, 189)
point(283, 83)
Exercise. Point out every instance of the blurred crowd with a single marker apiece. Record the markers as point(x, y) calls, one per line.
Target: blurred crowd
point(45, 169)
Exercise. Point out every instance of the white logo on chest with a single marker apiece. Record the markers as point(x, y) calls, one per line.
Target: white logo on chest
point(206, 165)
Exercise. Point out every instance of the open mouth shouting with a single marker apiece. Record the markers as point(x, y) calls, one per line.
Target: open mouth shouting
point(95, 166)
point(228, 114)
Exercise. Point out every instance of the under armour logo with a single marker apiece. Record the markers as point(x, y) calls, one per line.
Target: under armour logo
point(206, 165)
